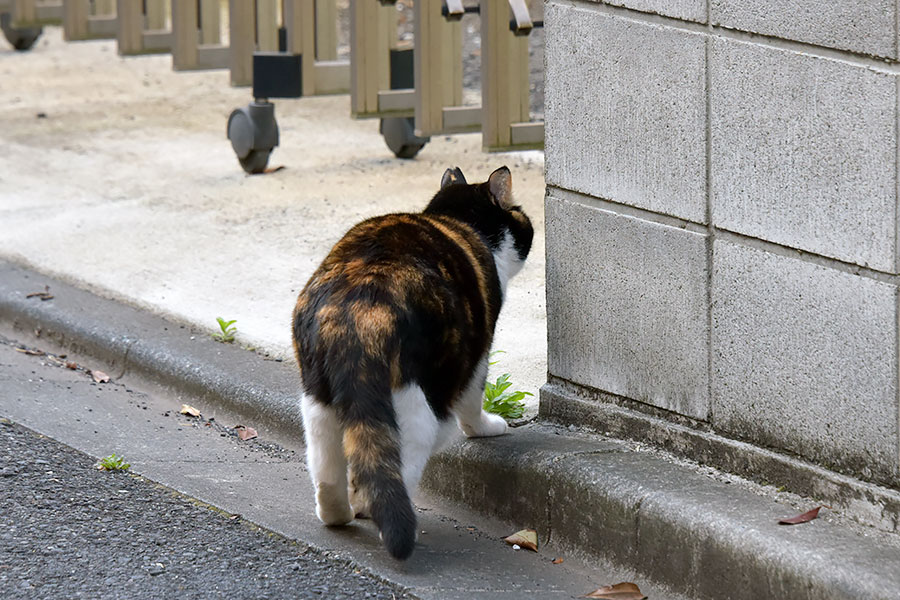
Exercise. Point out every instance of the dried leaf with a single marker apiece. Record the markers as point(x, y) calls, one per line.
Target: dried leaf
point(620, 591)
point(807, 516)
point(45, 295)
point(558, 561)
point(30, 352)
point(274, 169)
point(245, 433)
point(187, 409)
point(100, 376)
point(527, 538)
point(71, 365)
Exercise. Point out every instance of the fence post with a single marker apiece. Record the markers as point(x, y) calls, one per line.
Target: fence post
point(438, 66)
point(23, 12)
point(266, 26)
point(75, 19)
point(242, 26)
point(299, 19)
point(184, 34)
point(156, 14)
point(326, 30)
point(210, 22)
point(130, 32)
point(504, 76)
point(369, 61)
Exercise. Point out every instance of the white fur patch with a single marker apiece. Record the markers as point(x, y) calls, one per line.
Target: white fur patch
point(472, 419)
point(326, 462)
point(418, 433)
point(506, 257)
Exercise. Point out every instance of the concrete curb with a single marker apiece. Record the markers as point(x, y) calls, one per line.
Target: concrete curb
point(133, 341)
point(700, 536)
point(868, 503)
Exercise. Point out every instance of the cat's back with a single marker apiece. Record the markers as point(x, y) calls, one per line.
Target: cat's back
point(402, 258)
point(390, 289)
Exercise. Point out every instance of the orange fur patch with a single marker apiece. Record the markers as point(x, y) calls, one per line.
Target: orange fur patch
point(366, 447)
point(374, 324)
point(330, 325)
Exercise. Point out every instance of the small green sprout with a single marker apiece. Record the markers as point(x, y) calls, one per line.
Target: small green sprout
point(491, 355)
point(228, 331)
point(113, 463)
point(499, 401)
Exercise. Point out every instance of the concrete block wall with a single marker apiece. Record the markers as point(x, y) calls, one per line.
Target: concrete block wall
point(722, 223)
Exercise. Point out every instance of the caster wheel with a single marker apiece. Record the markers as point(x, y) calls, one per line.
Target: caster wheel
point(21, 39)
point(255, 161)
point(399, 135)
point(253, 133)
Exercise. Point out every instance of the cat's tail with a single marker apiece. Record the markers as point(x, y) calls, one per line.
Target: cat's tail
point(372, 447)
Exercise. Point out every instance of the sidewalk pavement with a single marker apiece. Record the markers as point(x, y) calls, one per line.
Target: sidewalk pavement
point(126, 187)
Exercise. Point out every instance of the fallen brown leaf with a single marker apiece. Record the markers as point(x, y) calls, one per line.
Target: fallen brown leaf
point(274, 169)
point(30, 352)
point(620, 591)
point(100, 376)
point(527, 538)
point(71, 365)
point(807, 516)
point(245, 433)
point(558, 561)
point(187, 409)
point(45, 295)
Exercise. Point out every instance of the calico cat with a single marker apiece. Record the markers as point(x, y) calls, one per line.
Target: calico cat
point(392, 333)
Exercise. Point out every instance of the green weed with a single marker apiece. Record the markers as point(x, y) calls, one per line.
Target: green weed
point(498, 400)
point(228, 330)
point(113, 463)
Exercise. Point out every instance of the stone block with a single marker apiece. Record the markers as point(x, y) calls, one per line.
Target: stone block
point(805, 360)
point(689, 10)
point(865, 26)
point(626, 111)
point(803, 151)
point(627, 306)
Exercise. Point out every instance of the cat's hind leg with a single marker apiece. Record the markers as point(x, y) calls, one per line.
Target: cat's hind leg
point(470, 415)
point(326, 461)
point(418, 433)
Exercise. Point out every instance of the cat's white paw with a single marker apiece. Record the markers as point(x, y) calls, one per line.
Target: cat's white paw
point(489, 425)
point(332, 507)
point(494, 425)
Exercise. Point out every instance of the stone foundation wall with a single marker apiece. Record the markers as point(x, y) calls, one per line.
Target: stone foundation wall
point(722, 223)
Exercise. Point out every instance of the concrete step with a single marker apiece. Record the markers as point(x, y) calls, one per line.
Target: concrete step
point(703, 535)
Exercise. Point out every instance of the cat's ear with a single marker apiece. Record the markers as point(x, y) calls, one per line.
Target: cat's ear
point(451, 176)
point(500, 184)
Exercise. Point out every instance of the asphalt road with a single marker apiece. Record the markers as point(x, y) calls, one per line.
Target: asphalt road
point(69, 530)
